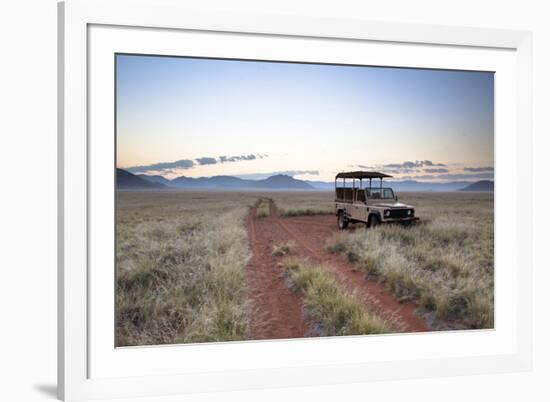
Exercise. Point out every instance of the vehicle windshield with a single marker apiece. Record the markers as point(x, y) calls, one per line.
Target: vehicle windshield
point(380, 193)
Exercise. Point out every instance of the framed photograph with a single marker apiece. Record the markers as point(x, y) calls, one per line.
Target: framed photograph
point(254, 201)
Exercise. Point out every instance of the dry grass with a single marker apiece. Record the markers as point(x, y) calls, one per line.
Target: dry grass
point(262, 208)
point(180, 268)
point(445, 263)
point(181, 257)
point(304, 203)
point(328, 304)
point(284, 249)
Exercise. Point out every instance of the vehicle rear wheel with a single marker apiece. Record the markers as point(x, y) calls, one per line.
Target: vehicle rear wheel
point(374, 220)
point(342, 221)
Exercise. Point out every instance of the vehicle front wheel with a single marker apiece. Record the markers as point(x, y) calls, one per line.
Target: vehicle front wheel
point(342, 221)
point(374, 220)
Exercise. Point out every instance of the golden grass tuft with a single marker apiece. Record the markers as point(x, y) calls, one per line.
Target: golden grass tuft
point(262, 209)
point(335, 310)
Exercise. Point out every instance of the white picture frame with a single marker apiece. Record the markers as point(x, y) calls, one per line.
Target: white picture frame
point(88, 369)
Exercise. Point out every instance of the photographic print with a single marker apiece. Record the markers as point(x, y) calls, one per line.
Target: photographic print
point(264, 200)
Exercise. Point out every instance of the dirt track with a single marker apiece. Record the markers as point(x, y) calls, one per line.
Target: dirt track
point(276, 311)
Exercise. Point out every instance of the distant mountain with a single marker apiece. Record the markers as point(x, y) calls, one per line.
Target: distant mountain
point(406, 185)
point(128, 181)
point(155, 179)
point(482, 185)
point(282, 182)
point(221, 182)
point(277, 182)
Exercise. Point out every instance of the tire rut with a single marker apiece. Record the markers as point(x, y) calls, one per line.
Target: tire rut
point(275, 310)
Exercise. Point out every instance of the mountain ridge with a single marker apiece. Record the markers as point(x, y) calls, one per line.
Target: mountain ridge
point(128, 181)
point(280, 182)
point(482, 185)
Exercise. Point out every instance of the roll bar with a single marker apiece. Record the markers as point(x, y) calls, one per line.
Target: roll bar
point(360, 175)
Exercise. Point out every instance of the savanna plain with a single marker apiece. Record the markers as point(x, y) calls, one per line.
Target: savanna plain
point(213, 266)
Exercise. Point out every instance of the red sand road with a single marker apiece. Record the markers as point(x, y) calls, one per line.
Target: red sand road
point(276, 310)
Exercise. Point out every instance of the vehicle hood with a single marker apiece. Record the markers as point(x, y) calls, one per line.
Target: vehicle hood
point(390, 205)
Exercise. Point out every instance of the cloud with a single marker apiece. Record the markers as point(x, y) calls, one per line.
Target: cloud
point(169, 167)
point(206, 160)
point(479, 169)
point(405, 167)
point(430, 163)
point(450, 176)
point(399, 171)
point(411, 164)
point(224, 159)
point(249, 157)
point(436, 170)
point(181, 164)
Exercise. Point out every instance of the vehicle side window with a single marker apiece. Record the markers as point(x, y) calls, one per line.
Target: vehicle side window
point(373, 193)
point(378, 193)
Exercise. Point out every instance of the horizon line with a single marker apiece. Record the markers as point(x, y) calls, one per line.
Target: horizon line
point(391, 180)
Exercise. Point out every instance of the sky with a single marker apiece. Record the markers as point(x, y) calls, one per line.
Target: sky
point(205, 117)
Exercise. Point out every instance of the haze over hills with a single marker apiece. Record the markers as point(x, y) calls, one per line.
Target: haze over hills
point(404, 185)
point(155, 179)
point(127, 180)
point(482, 185)
point(413, 185)
point(276, 182)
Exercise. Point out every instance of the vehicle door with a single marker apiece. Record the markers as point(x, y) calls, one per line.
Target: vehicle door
point(359, 205)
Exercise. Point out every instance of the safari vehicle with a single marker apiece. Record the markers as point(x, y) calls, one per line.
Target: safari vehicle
point(370, 205)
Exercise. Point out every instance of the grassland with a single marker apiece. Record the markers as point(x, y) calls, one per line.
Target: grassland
point(328, 304)
point(180, 267)
point(445, 262)
point(181, 259)
point(301, 203)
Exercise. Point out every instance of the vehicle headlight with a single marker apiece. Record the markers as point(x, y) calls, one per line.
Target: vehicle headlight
point(386, 212)
point(410, 212)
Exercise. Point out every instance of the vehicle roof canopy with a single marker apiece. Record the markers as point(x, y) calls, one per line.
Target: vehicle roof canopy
point(361, 175)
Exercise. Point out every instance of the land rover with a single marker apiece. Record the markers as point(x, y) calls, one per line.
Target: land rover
point(356, 200)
